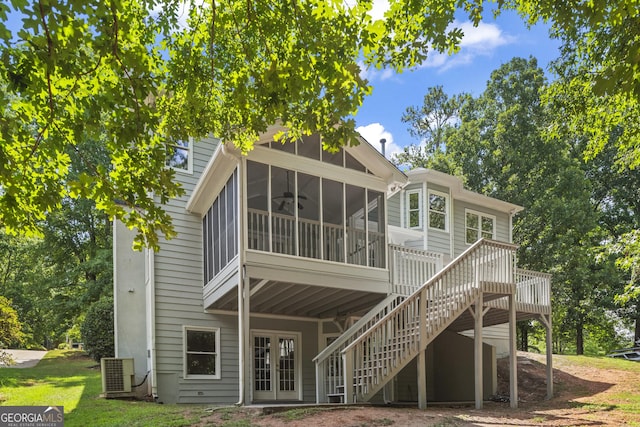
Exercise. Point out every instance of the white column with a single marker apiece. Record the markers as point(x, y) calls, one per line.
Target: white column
point(513, 354)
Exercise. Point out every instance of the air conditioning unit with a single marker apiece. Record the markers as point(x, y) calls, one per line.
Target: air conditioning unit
point(117, 376)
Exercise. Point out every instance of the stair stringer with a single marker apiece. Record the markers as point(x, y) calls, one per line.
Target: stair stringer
point(435, 326)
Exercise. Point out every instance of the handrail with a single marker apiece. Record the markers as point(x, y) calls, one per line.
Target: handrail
point(409, 268)
point(382, 306)
point(533, 287)
point(386, 347)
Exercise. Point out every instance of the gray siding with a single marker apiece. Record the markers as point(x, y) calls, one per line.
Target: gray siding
point(502, 224)
point(393, 209)
point(178, 287)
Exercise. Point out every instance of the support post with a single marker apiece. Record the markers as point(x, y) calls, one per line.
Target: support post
point(513, 354)
point(246, 361)
point(546, 321)
point(422, 353)
point(477, 340)
point(422, 379)
point(347, 362)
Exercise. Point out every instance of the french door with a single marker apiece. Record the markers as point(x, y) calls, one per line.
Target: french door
point(276, 366)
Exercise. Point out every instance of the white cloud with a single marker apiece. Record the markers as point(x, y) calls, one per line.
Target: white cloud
point(481, 40)
point(373, 133)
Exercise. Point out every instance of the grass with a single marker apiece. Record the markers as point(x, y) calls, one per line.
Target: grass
point(67, 378)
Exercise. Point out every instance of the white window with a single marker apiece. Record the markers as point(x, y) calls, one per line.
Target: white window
point(201, 352)
point(414, 209)
point(179, 155)
point(479, 225)
point(438, 207)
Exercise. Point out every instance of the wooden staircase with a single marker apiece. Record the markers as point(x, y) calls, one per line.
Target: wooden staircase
point(364, 360)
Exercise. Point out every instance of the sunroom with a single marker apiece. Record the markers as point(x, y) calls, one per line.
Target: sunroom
point(303, 228)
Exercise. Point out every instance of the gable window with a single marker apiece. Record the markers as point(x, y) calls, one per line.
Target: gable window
point(414, 209)
point(201, 352)
point(438, 211)
point(479, 225)
point(179, 155)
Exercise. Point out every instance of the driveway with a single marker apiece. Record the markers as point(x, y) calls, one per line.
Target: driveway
point(25, 358)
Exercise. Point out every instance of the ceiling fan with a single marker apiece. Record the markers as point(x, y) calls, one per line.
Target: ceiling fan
point(287, 198)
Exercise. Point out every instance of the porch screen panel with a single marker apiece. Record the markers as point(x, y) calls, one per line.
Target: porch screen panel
point(220, 231)
point(283, 207)
point(333, 220)
point(375, 229)
point(258, 204)
point(356, 231)
point(308, 216)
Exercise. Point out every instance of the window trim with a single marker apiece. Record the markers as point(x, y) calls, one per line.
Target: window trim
point(409, 210)
point(189, 169)
point(479, 229)
point(446, 210)
point(217, 353)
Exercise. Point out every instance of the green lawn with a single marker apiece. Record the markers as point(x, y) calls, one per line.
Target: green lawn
point(67, 378)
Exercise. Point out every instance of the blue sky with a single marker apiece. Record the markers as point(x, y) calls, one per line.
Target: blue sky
point(483, 49)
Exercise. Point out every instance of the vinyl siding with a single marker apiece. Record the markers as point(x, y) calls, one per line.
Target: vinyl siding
point(393, 209)
point(502, 224)
point(179, 282)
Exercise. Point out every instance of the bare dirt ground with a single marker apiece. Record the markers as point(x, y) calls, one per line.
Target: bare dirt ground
point(584, 396)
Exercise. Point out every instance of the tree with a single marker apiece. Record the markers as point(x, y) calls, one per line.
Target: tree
point(97, 330)
point(500, 149)
point(430, 123)
point(10, 327)
point(136, 76)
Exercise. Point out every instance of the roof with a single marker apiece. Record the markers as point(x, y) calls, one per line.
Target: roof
point(459, 192)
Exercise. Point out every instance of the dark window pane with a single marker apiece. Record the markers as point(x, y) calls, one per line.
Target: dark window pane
point(201, 364)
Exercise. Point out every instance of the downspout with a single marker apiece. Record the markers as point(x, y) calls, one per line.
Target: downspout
point(241, 274)
point(152, 321)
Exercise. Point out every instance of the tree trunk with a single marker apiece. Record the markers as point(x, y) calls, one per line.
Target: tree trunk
point(636, 335)
point(579, 338)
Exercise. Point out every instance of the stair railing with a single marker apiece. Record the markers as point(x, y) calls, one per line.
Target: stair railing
point(384, 349)
point(329, 367)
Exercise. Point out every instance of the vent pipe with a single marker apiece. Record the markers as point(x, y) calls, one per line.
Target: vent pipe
point(383, 141)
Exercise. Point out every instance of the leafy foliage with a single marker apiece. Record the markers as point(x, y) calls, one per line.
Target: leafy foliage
point(500, 148)
point(10, 328)
point(97, 330)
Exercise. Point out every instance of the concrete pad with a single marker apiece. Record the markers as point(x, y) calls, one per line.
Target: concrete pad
point(24, 358)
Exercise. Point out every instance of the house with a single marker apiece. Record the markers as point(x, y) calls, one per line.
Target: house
point(300, 275)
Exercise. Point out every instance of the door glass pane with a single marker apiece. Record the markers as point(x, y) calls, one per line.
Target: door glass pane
point(287, 365)
point(262, 363)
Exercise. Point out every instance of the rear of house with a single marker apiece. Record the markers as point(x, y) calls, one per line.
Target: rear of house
point(287, 258)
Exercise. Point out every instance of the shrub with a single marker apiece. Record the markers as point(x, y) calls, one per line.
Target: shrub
point(10, 327)
point(97, 329)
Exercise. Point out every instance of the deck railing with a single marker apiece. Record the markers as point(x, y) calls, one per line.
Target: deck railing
point(311, 239)
point(384, 349)
point(410, 268)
